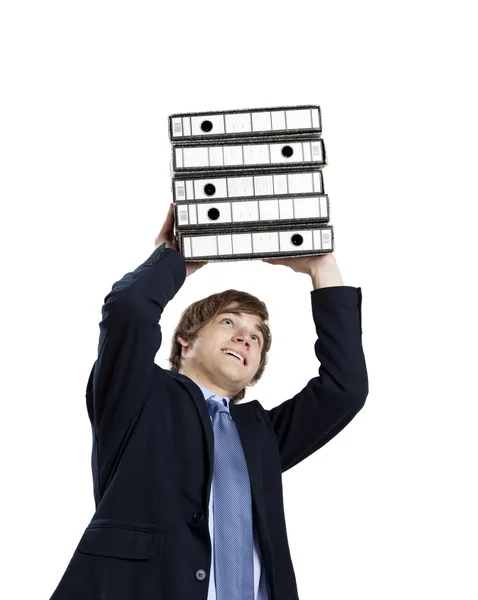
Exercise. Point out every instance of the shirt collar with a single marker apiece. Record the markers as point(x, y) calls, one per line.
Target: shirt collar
point(208, 393)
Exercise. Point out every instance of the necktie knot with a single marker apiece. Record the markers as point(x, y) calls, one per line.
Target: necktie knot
point(216, 406)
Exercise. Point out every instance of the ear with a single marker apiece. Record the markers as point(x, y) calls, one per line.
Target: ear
point(182, 342)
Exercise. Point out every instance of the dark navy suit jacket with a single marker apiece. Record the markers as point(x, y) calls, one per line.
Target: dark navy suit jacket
point(153, 446)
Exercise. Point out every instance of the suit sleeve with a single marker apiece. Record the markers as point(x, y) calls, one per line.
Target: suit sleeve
point(328, 402)
point(130, 337)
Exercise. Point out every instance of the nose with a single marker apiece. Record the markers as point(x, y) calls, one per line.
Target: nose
point(241, 336)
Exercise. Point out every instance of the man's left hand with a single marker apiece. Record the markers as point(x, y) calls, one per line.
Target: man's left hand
point(304, 264)
point(322, 268)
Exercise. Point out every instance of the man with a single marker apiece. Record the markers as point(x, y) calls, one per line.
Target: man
point(188, 481)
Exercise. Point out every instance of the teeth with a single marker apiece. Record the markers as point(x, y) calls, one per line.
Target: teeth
point(234, 354)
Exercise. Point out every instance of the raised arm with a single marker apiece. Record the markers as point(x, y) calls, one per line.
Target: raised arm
point(130, 334)
point(329, 401)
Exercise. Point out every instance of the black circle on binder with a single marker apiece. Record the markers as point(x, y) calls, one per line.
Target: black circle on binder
point(209, 189)
point(213, 214)
point(206, 126)
point(287, 151)
point(297, 239)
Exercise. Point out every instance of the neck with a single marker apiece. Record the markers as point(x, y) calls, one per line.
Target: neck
point(200, 379)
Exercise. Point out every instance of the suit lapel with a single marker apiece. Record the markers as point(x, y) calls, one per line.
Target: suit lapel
point(246, 423)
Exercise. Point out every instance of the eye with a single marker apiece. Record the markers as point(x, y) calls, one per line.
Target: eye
point(254, 335)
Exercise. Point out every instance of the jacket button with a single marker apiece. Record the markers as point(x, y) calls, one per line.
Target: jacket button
point(198, 516)
point(201, 574)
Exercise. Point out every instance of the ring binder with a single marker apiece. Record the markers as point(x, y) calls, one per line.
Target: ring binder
point(187, 127)
point(269, 210)
point(246, 243)
point(253, 185)
point(232, 155)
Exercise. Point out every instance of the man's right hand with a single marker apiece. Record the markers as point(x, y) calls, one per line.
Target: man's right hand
point(166, 235)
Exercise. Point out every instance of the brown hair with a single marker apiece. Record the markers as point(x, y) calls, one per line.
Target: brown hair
point(202, 312)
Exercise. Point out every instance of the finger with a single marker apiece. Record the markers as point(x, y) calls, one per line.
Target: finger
point(168, 223)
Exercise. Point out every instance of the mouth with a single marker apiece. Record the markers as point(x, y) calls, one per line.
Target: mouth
point(235, 357)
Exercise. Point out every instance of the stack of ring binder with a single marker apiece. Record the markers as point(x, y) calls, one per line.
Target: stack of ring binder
point(248, 184)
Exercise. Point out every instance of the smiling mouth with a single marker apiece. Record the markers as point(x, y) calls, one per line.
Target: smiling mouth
point(232, 356)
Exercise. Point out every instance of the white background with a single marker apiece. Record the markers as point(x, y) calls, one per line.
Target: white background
point(387, 509)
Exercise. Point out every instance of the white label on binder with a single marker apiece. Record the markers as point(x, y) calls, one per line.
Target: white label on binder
point(193, 218)
point(238, 123)
point(195, 157)
point(256, 154)
point(216, 156)
point(187, 247)
point(224, 244)
point(245, 211)
point(326, 239)
point(281, 185)
point(177, 127)
point(307, 208)
point(242, 243)
point(261, 121)
point(269, 210)
point(323, 206)
point(264, 185)
point(265, 241)
point(300, 183)
point(183, 217)
point(187, 126)
point(233, 155)
point(317, 185)
point(189, 190)
point(286, 208)
point(315, 117)
point(181, 191)
point(316, 151)
point(240, 186)
point(299, 119)
point(278, 120)
point(204, 245)
point(306, 152)
point(317, 239)
point(179, 157)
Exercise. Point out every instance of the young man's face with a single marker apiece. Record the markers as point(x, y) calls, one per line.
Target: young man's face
point(205, 362)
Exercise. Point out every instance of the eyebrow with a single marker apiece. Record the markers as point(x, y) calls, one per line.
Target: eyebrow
point(239, 314)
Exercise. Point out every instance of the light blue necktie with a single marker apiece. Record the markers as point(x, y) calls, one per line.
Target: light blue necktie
point(232, 509)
